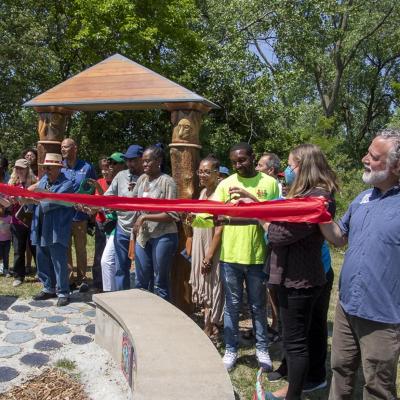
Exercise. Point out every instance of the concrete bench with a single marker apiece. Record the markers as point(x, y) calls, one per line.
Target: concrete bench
point(162, 352)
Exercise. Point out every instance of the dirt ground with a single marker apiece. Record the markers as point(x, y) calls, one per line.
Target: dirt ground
point(52, 384)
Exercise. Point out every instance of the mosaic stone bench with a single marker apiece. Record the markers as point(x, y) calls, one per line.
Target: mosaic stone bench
point(162, 352)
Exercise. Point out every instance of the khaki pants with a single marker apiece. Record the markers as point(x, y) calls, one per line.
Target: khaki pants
point(78, 235)
point(375, 345)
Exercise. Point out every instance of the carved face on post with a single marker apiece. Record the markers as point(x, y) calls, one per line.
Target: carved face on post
point(52, 126)
point(186, 126)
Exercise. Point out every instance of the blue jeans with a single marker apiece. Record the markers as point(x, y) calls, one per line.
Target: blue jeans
point(122, 261)
point(52, 266)
point(233, 276)
point(153, 264)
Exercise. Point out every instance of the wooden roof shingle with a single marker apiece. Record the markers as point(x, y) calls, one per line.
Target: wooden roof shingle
point(117, 83)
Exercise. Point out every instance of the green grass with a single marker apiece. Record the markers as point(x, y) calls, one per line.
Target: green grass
point(64, 363)
point(30, 287)
point(69, 367)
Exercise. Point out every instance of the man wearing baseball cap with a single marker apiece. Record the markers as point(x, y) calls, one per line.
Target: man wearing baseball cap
point(122, 185)
point(117, 157)
point(51, 232)
point(116, 163)
point(223, 172)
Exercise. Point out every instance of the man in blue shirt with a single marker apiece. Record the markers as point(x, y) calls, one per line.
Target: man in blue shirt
point(367, 320)
point(77, 171)
point(51, 232)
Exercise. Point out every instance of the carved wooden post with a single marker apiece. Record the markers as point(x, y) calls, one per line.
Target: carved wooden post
point(185, 157)
point(51, 129)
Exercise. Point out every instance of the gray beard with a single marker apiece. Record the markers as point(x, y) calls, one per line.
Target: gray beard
point(375, 177)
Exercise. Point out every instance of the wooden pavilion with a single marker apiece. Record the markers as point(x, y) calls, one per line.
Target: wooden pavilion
point(118, 83)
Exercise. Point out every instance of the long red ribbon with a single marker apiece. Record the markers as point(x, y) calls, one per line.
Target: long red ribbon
point(310, 209)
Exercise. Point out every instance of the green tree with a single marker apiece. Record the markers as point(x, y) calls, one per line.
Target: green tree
point(47, 42)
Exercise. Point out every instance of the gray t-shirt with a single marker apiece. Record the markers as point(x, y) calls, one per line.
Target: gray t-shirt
point(164, 187)
point(120, 187)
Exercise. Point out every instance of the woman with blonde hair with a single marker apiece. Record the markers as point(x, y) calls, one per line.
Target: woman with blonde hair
point(22, 176)
point(295, 265)
point(295, 262)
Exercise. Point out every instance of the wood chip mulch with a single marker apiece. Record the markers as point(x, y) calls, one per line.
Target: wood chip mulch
point(52, 384)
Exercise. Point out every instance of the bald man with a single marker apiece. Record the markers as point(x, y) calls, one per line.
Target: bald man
point(77, 171)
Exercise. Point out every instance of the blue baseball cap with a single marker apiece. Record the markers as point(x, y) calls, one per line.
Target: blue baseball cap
point(223, 170)
point(133, 151)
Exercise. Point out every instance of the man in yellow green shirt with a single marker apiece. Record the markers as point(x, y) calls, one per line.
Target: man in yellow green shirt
point(243, 252)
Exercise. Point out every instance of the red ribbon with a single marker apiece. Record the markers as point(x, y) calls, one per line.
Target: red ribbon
point(309, 209)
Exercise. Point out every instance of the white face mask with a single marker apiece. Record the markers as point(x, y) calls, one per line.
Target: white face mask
point(375, 177)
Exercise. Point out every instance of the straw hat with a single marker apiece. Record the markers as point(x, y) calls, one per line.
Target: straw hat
point(53, 159)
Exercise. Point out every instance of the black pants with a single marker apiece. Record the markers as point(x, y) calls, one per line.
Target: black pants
point(100, 241)
point(296, 308)
point(20, 238)
point(318, 333)
point(5, 253)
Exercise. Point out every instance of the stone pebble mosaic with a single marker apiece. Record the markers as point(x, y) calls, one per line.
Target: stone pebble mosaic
point(31, 333)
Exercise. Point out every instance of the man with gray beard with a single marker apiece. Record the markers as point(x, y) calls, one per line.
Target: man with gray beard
point(367, 321)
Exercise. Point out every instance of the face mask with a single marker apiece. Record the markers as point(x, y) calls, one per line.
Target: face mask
point(289, 175)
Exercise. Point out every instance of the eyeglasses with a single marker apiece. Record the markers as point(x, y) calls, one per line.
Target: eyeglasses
point(206, 173)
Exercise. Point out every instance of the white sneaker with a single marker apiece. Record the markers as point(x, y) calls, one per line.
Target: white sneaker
point(229, 360)
point(17, 282)
point(264, 360)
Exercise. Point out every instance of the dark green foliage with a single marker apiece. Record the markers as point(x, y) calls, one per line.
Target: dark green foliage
point(283, 72)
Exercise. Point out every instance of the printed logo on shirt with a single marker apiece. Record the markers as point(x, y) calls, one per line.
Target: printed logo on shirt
point(365, 199)
point(262, 194)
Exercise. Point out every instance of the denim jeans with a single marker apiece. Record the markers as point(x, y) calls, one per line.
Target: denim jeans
point(233, 277)
point(52, 266)
point(153, 264)
point(122, 261)
point(5, 253)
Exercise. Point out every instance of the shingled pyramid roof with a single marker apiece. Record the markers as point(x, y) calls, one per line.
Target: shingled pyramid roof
point(118, 83)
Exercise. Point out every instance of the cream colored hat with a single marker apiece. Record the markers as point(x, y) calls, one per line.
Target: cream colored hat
point(21, 163)
point(53, 159)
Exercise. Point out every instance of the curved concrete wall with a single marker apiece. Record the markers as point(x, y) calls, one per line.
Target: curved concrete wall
point(162, 352)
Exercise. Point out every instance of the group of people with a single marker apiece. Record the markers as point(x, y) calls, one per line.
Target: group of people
point(288, 263)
